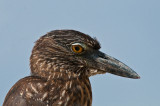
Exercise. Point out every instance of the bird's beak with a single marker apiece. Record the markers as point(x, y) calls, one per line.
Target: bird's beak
point(105, 63)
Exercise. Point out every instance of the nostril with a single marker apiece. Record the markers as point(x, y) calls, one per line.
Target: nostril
point(103, 56)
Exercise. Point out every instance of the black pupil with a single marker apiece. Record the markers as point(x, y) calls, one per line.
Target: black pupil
point(77, 48)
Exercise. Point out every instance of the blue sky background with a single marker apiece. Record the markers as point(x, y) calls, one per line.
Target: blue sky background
point(128, 30)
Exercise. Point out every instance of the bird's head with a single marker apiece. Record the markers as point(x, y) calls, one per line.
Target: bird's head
point(69, 53)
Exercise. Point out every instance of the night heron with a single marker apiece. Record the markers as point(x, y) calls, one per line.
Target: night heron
point(61, 63)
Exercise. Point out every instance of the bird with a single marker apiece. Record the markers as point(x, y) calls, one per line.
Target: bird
point(61, 63)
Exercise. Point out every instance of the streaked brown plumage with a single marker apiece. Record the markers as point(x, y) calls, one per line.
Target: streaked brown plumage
point(61, 63)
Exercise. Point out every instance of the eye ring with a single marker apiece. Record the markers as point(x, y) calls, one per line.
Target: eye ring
point(76, 48)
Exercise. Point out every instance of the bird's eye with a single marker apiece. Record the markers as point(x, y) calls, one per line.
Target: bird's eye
point(77, 48)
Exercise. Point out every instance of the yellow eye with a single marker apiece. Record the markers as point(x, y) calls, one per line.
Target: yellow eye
point(77, 48)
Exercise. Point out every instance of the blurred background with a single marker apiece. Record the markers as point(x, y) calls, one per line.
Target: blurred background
point(128, 30)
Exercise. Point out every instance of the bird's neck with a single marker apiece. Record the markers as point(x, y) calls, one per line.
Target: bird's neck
point(76, 90)
point(64, 83)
